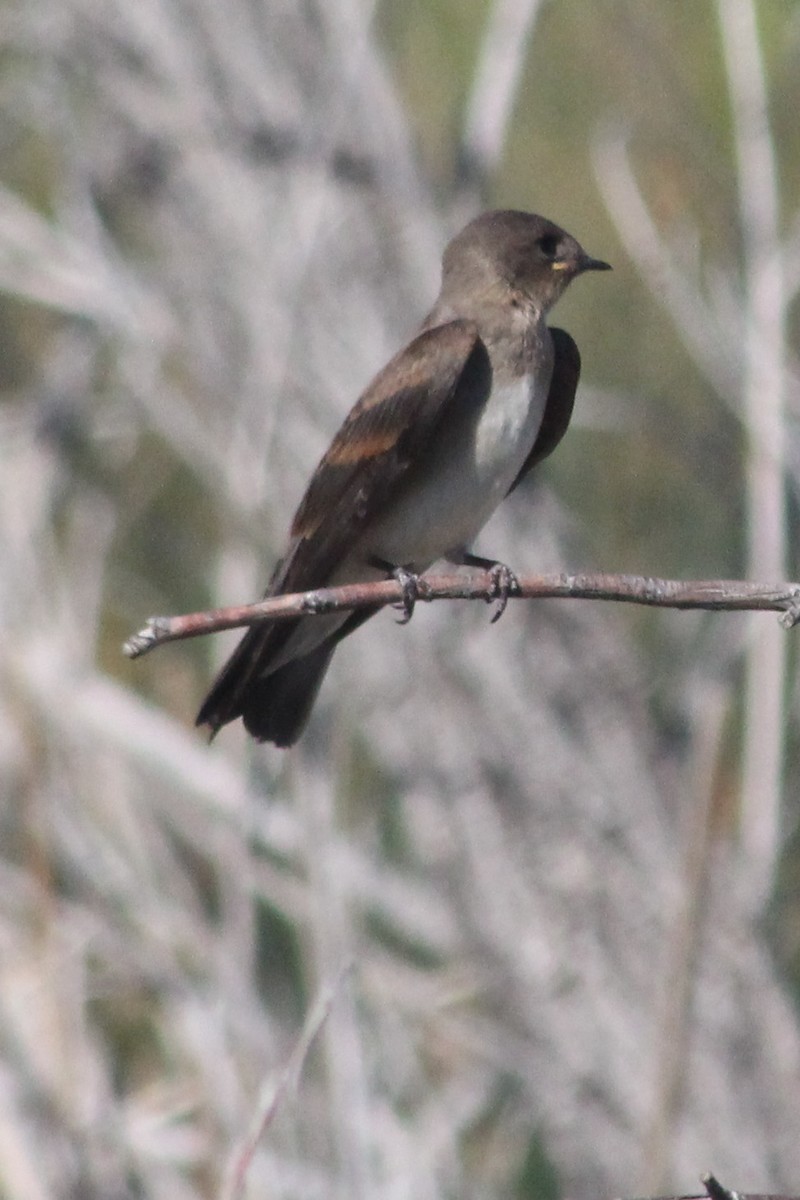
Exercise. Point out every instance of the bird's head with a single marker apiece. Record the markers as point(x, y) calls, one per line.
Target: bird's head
point(520, 256)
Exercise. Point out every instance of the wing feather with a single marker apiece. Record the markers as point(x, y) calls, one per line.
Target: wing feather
point(560, 401)
point(383, 435)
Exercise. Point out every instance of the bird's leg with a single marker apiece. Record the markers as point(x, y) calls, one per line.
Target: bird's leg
point(408, 580)
point(503, 581)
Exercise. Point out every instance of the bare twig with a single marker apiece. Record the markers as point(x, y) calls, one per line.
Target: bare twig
point(276, 1088)
point(684, 944)
point(509, 30)
point(712, 347)
point(718, 594)
point(763, 399)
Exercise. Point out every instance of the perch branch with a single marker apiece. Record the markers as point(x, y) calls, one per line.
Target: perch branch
point(715, 594)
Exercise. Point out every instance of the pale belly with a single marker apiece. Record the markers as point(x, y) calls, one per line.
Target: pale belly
point(466, 477)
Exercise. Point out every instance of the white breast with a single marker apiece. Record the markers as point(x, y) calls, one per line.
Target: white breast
point(468, 473)
point(507, 428)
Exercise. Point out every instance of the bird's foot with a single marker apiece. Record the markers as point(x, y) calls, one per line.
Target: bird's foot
point(410, 585)
point(408, 580)
point(502, 582)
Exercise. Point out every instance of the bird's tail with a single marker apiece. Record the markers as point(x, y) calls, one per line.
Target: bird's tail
point(275, 708)
point(274, 705)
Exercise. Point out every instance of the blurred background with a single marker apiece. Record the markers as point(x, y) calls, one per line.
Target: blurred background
point(544, 876)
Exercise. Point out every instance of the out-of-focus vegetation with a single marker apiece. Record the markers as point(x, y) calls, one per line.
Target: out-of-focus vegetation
point(216, 221)
point(654, 468)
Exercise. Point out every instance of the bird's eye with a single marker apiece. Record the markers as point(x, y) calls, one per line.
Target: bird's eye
point(548, 244)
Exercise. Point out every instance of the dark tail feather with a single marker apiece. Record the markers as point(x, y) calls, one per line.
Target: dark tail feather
point(276, 707)
point(225, 699)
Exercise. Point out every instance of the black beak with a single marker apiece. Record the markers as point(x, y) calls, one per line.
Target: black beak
point(593, 264)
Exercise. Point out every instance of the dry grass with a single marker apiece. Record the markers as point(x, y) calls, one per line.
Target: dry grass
point(476, 820)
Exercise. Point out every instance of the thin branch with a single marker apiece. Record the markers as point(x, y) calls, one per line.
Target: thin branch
point(764, 402)
point(687, 925)
point(502, 59)
point(730, 595)
point(715, 353)
point(276, 1087)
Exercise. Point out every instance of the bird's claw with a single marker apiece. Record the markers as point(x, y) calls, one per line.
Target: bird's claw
point(410, 582)
point(411, 590)
point(502, 584)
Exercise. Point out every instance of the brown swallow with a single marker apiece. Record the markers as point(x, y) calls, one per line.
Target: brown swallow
point(442, 434)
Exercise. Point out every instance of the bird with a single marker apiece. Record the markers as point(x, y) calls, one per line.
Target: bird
point(442, 434)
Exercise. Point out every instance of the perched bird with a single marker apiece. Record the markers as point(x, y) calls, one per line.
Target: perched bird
point(442, 434)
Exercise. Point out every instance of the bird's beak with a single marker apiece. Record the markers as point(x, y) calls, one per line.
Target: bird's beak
point(586, 263)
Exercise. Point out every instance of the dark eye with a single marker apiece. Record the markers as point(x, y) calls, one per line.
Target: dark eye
point(548, 244)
